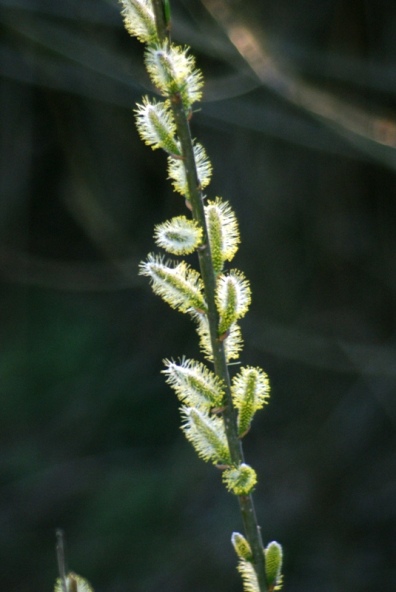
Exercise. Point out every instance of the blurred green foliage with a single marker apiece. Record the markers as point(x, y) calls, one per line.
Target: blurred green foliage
point(89, 430)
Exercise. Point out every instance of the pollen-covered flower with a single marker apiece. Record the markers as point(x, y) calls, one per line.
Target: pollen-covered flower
point(194, 384)
point(73, 582)
point(139, 20)
point(156, 127)
point(233, 342)
point(172, 70)
point(180, 286)
point(223, 232)
point(273, 564)
point(249, 576)
point(250, 391)
point(240, 480)
point(177, 170)
point(179, 236)
point(206, 433)
point(233, 296)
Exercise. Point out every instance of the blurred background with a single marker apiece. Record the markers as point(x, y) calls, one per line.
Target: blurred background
point(298, 118)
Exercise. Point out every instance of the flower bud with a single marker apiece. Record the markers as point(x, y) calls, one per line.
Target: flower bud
point(179, 236)
point(250, 391)
point(222, 231)
point(273, 565)
point(233, 298)
point(156, 127)
point(172, 70)
point(177, 171)
point(73, 583)
point(207, 435)
point(139, 20)
point(180, 286)
point(194, 384)
point(241, 546)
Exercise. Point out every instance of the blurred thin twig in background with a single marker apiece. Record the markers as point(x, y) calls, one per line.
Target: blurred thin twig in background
point(372, 133)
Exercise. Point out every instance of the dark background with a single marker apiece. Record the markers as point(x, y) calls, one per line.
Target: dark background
point(89, 432)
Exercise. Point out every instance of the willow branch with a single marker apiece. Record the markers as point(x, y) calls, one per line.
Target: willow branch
point(196, 204)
